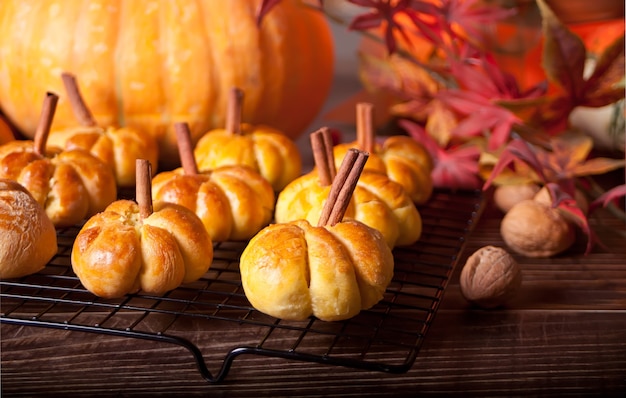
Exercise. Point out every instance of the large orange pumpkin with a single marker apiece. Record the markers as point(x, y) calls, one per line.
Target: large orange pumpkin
point(148, 64)
point(6, 134)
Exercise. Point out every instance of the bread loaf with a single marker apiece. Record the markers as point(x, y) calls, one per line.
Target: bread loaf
point(27, 236)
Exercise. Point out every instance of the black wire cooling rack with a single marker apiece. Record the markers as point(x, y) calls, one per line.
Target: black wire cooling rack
point(385, 338)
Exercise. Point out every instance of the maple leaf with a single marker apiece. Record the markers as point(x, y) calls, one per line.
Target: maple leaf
point(564, 54)
point(566, 159)
point(403, 78)
point(569, 158)
point(381, 11)
point(441, 123)
point(455, 167)
point(520, 150)
point(608, 197)
point(470, 16)
point(564, 60)
point(439, 120)
point(565, 202)
point(482, 115)
point(479, 72)
point(517, 172)
point(606, 84)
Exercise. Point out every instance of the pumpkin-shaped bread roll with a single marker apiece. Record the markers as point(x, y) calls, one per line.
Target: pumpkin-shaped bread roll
point(27, 236)
point(331, 271)
point(71, 185)
point(400, 157)
point(376, 201)
point(118, 147)
point(135, 246)
point(263, 148)
point(233, 202)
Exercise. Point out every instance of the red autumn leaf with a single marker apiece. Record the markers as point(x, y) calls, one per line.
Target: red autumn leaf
point(566, 160)
point(564, 54)
point(569, 158)
point(472, 15)
point(605, 85)
point(608, 197)
point(454, 167)
point(481, 114)
point(516, 150)
point(381, 11)
point(565, 202)
point(478, 72)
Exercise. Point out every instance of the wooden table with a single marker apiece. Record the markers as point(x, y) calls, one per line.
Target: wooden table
point(564, 334)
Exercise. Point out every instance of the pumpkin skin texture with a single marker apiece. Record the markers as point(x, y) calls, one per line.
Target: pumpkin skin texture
point(147, 64)
point(6, 134)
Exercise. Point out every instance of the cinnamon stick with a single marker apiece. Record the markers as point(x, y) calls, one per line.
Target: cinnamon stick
point(328, 144)
point(320, 156)
point(143, 189)
point(185, 148)
point(77, 102)
point(342, 187)
point(364, 126)
point(233, 110)
point(45, 121)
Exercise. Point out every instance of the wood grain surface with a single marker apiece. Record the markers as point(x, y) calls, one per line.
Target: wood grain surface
point(563, 334)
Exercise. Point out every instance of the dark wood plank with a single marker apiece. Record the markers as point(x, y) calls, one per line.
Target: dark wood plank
point(564, 334)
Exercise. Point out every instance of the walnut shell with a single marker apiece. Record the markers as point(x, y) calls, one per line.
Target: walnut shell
point(534, 229)
point(490, 277)
point(507, 196)
point(543, 196)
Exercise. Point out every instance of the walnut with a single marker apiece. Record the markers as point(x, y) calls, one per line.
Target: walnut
point(535, 229)
point(507, 196)
point(490, 277)
point(543, 196)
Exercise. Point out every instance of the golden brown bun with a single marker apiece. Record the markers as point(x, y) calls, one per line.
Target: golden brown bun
point(374, 162)
point(27, 236)
point(266, 150)
point(303, 199)
point(403, 160)
point(384, 205)
point(116, 252)
point(116, 147)
point(233, 202)
point(70, 185)
point(376, 201)
point(295, 270)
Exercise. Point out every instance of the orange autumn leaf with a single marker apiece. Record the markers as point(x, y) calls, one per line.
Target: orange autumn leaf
point(441, 122)
point(569, 158)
